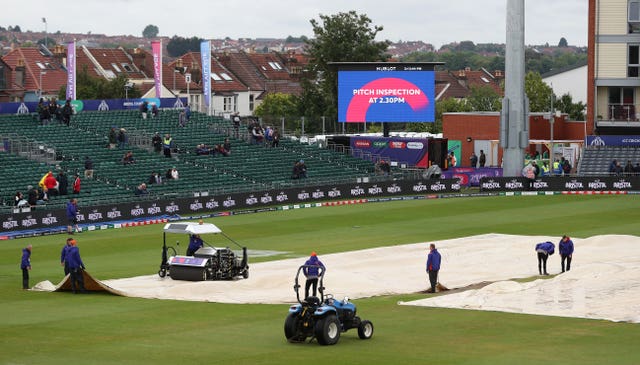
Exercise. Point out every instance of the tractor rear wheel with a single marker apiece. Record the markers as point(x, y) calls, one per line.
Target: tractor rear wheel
point(327, 330)
point(291, 325)
point(365, 330)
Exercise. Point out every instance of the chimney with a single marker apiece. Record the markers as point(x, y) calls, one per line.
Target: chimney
point(20, 72)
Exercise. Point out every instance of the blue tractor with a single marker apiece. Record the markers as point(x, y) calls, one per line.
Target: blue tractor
point(323, 318)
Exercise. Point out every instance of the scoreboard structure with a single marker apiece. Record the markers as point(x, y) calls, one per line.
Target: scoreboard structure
point(381, 92)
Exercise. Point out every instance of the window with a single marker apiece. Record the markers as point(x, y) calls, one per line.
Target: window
point(3, 81)
point(41, 65)
point(251, 101)
point(127, 67)
point(633, 16)
point(115, 67)
point(621, 103)
point(634, 12)
point(227, 105)
point(633, 61)
point(225, 76)
point(216, 77)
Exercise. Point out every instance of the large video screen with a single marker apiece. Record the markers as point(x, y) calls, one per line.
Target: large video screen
point(387, 94)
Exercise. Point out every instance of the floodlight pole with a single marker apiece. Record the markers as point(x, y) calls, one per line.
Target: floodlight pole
point(514, 119)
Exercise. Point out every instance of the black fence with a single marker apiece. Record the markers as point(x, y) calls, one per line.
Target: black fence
point(49, 219)
point(560, 183)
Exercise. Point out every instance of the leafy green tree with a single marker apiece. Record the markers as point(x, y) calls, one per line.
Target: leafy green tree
point(50, 41)
point(291, 39)
point(538, 92)
point(563, 42)
point(177, 46)
point(90, 88)
point(566, 105)
point(343, 37)
point(276, 106)
point(150, 31)
point(484, 99)
point(421, 57)
point(466, 46)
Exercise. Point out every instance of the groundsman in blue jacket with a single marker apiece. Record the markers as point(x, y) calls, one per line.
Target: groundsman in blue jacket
point(25, 265)
point(544, 249)
point(76, 266)
point(566, 251)
point(312, 270)
point(433, 266)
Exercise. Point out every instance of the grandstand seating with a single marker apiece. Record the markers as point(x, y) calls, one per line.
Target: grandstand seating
point(33, 149)
point(596, 160)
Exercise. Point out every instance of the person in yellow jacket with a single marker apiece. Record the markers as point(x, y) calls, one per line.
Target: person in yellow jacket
point(41, 182)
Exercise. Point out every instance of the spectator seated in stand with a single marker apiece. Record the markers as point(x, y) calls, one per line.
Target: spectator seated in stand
point(220, 150)
point(155, 178)
point(128, 158)
point(383, 168)
point(227, 146)
point(299, 170)
point(141, 189)
point(202, 149)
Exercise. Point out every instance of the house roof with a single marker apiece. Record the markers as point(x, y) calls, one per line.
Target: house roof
point(564, 69)
point(41, 72)
point(269, 65)
point(458, 84)
point(222, 80)
point(243, 68)
point(108, 63)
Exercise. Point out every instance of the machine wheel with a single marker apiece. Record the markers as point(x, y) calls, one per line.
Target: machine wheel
point(291, 325)
point(365, 330)
point(162, 273)
point(245, 274)
point(327, 330)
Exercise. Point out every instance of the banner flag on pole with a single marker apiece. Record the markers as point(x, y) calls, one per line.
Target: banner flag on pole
point(71, 70)
point(205, 54)
point(156, 48)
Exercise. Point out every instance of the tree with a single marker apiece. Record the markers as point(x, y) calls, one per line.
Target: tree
point(538, 92)
point(91, 88)
point(466, 46)
point(50, 41)
point(150, 31)
point(178, 46)
point(563, 43)
point(484, 99)
point(277, 105)
point(344, 37)
point(566, 105)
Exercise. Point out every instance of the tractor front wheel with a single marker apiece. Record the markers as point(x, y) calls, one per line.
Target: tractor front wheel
point(365, 330)
point(291, 325)
point(327, 330)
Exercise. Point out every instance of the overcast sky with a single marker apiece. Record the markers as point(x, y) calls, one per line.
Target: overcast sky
point(433, 21)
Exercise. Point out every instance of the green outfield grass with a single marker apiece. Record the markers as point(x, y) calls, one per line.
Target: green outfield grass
point(61, 328)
